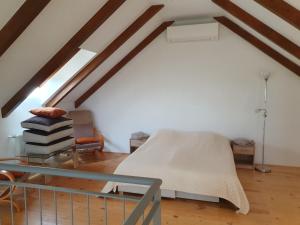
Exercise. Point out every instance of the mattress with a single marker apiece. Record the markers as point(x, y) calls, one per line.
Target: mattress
point(198, 163)
point(46, 124)
point(36, 148)
point(43, 137)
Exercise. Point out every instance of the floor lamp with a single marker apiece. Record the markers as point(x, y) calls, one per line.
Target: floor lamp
point(262, 168)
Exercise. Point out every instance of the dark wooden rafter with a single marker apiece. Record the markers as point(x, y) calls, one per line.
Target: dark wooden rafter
point(105, 54)
point(259, 44)
point(259, 26)
point(62, 64)
point(19, 22)
point(63, 55)
point(123, 62)
point(282, 9)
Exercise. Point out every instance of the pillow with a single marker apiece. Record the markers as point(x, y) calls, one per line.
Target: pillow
point(39, 136)
point(86, 140)
point(38, 148)
point(50, 112)
point(46, 124)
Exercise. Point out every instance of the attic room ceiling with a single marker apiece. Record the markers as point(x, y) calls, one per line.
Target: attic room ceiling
point(174, 9)
point(178, 9)
point(189, 9)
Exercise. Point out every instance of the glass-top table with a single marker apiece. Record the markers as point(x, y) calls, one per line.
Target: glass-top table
point(55, 158)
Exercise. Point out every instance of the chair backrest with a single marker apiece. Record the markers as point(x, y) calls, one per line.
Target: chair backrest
point(82, 123)
point(81, 117)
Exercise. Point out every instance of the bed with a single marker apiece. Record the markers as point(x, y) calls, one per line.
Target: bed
point(195, 165)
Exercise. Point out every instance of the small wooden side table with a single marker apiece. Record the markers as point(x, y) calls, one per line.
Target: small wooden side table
point(244, 155)
point(136, 143)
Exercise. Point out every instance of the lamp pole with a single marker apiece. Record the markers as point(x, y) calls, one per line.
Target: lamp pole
point(262, 167)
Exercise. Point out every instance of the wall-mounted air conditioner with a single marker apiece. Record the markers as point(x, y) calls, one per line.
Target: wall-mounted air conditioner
point(193, 32)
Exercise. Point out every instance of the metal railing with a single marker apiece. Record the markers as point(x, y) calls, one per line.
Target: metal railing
point(144, 209)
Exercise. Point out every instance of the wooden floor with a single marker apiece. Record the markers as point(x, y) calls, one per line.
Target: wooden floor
point(274, 199)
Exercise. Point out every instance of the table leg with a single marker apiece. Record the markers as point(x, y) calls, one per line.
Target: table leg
point(75, 158)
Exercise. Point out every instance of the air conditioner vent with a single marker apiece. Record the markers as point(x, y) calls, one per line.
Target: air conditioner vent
point(193, 32)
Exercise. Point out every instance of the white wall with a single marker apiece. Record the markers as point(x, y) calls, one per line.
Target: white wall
point(211, 86)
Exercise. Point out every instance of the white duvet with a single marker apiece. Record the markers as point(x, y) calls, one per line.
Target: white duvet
point(193, 162)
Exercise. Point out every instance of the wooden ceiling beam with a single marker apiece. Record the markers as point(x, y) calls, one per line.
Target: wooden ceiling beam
point(105, 54)
point(259, 44)
point(123, 62)
point(63, 55)
point(19, 22)
point(260, 27)
point(283, 10)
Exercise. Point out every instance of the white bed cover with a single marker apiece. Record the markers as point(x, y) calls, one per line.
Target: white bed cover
point(193, 162)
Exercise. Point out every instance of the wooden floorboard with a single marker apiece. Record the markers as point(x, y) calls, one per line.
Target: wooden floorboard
point(274, 199)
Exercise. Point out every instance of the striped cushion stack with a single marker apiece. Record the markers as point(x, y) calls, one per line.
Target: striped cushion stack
point(47, 135)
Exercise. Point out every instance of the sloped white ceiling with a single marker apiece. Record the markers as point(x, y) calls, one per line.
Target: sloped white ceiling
point(177, 10)
point(48, 32)
point(273, 21)
point(115, 25)
point(60, 20)
point(102, 37)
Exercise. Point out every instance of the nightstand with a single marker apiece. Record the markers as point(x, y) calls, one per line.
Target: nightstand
point(136, 143)
point(244, 155)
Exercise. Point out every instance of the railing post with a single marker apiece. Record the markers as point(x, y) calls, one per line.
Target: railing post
point(157, 215)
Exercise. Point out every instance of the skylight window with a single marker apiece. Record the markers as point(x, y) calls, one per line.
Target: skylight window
point(41, 94)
